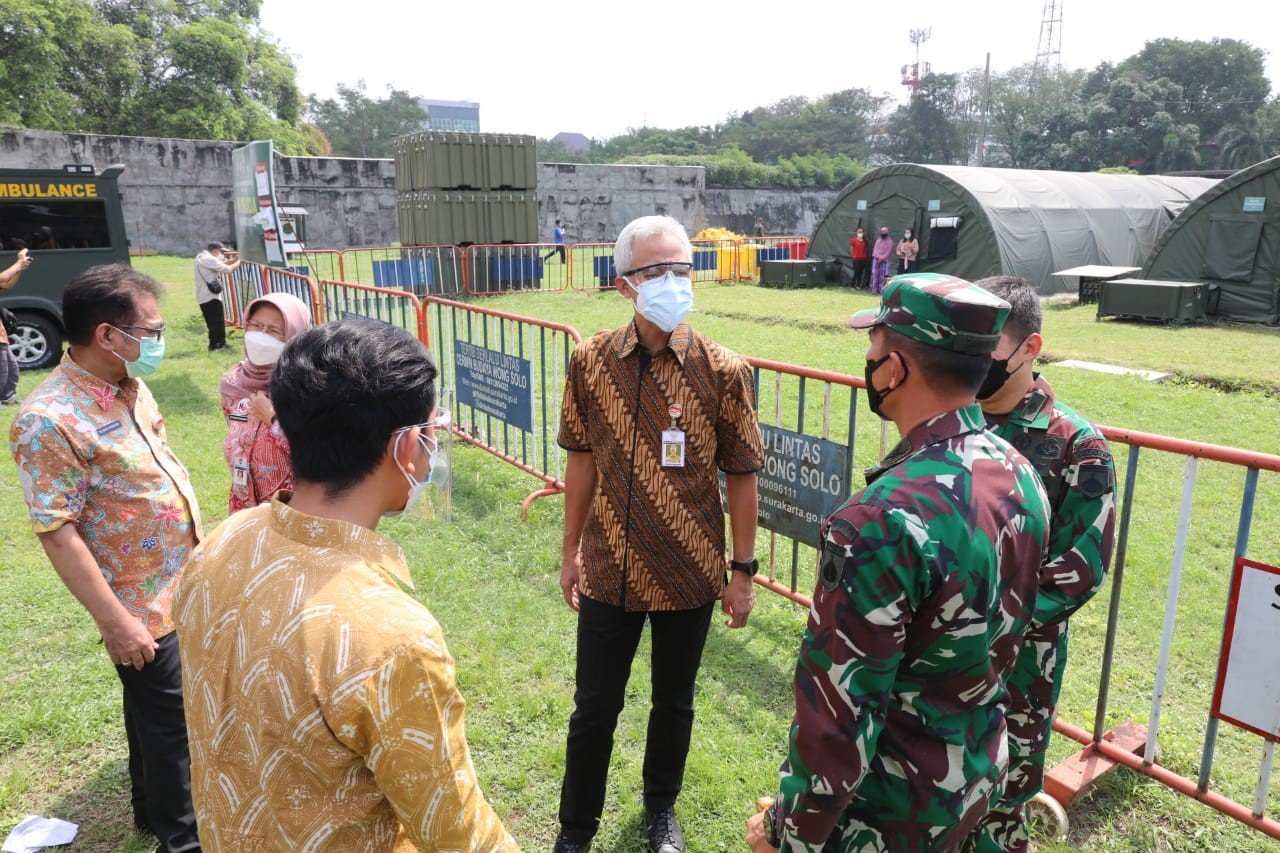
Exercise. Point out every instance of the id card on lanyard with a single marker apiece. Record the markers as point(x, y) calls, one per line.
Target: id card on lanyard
point(673, 440)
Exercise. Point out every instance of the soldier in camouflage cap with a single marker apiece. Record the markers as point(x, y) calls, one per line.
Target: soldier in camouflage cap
point(925, 583)
point(1075, 465)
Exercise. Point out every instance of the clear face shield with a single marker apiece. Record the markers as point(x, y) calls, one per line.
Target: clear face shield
point(434, 498)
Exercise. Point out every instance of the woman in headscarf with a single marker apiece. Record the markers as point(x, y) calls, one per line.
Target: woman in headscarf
point(255, 447)
point(881, 252)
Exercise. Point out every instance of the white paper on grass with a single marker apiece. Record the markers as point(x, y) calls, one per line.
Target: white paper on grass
point(36, 833)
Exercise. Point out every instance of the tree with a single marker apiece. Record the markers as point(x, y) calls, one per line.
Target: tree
point(926, 129)
point(185, 68)
point(1222, 82)
point(1022, 103)
point(358, 126)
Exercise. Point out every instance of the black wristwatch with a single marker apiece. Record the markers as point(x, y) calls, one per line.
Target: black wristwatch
point(771, 835)
point(748, 568)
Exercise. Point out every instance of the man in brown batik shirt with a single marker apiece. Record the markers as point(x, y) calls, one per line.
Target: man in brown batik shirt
point(651, 410)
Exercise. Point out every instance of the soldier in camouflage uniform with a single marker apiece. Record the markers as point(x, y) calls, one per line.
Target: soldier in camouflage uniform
point(925, 586)
point(1074, 462)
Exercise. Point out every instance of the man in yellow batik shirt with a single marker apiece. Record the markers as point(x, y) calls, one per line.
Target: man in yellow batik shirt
point(322, 707)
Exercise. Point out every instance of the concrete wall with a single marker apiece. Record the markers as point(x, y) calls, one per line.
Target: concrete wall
point(177, 193)
point(594, 202)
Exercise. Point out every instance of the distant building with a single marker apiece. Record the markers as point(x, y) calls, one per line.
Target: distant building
point(463, 116)
point(573, 141)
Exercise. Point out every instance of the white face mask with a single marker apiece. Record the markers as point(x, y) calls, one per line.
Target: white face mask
point(416, 488)
point(665, 301)
point(261, 348)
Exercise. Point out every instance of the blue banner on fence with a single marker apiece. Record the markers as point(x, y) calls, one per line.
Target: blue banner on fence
point(494, 383)
point(804, 479)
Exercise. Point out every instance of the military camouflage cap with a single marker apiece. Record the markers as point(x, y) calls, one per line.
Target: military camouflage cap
point(938, 310)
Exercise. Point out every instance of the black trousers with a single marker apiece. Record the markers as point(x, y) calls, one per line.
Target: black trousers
point(607, 640)
point(159, 764)
point(214, 321)
point(861, 273)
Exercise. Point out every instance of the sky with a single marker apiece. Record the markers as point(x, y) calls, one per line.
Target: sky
point(600, 69)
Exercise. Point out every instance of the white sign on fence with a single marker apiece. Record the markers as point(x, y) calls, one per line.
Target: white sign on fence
point(1248, 689)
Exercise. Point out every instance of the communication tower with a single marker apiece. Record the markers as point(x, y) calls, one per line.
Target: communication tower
point(915, 72)
point(1049, 47)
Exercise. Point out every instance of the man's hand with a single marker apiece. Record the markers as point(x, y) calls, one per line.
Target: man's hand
point(23, 260)
point(570, 571)
point(756, 839)
point(128, 642)
point(260, 406)
point(739, 598)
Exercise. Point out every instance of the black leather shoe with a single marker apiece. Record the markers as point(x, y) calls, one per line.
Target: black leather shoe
point(665, 835)
point(568, 845)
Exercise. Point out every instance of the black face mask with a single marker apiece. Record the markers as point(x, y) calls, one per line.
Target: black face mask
point(998, 374)
point(875, 397)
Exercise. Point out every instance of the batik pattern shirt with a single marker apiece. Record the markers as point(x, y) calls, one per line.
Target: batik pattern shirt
point(322, 710)
point(257, 454)
point(926, 582)
point(655, 535)
point(95, 455)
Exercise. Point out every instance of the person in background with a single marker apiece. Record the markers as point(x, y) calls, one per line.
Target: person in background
point(209, 266)
point(1074, 462)
point(651, 411)
point(8, 362)
point(255, 447)
point(908, 250)
point(858, 253)
point(881, 253)
point(557, 234)
point(758, 230)
point(323, 707)
point(898, 740)
point(115, 512)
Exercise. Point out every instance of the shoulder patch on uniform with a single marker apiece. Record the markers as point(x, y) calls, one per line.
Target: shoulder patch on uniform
point(1093, 453)
point(1095, 480)
point(831, 566)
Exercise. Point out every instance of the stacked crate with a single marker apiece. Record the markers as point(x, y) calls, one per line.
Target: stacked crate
point(465, 188)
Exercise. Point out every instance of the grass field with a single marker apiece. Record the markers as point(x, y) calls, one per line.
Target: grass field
point(491, 579)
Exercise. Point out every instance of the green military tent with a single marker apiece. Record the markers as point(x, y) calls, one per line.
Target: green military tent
point(1229, 236)
point(974, 222)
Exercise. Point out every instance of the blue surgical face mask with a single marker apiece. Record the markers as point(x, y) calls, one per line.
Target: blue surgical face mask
point(665, 301)
point(416, 487)
point(150, 354)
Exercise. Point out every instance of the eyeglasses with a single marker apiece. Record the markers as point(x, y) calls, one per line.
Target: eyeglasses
point(157, 333)
point(640, 275)
point(258, 326)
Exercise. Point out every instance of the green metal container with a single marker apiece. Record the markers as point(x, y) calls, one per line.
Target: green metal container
point(1171, 301)
point(785, 273)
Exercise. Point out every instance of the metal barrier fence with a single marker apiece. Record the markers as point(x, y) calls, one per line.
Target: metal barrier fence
point(752, 251)
point(1217, 547)
point(508, 267)
point(249, 281)
point(715, 261)
point(507, 376)
point(317, 263)
point(346, 299)
point(810, 439)
point(278, 280)
point(591, 266)
point(420, 270)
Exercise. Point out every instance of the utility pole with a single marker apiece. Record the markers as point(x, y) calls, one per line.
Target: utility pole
point(980, 150)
